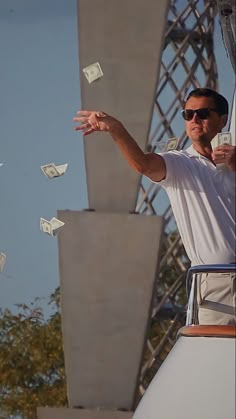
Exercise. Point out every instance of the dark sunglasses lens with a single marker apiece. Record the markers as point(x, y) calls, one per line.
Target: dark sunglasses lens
point(188, 114)
point(203, 113)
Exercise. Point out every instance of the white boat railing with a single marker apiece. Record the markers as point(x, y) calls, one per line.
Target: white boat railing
point(192, 285)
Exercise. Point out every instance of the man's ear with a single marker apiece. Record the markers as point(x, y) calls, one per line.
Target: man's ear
point(224, 120)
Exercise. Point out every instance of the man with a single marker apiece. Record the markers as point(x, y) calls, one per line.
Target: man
point(202, 195)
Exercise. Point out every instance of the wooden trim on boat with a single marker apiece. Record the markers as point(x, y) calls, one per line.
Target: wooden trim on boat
point(228, 331)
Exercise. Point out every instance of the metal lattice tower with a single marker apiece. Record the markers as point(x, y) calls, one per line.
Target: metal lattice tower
point(188, 62)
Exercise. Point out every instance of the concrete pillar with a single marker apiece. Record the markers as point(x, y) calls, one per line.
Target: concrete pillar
point(126, 38)
point(108, 264)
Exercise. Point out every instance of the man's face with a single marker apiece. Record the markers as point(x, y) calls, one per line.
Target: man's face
point(203, 130)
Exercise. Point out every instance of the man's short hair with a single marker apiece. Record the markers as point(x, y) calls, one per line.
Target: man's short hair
point(221, 103)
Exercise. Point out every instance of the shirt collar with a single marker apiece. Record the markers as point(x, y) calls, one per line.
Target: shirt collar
point(192, 152)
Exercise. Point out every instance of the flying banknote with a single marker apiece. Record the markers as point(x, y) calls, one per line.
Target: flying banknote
point(2, 261)
point(93, 72)
point(50, 227)
point(51, 170)
point(171, 144)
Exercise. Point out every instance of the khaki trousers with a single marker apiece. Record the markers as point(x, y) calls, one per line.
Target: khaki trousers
point(216, 298)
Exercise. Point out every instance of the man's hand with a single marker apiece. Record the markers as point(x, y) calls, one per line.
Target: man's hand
point(94, 121)
point(148, 164)
point(225, 154)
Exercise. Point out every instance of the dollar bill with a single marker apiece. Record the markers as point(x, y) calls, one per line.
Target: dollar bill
point(50, 227)
point(51, 170)
point(46, 226)
point(224, 138)
point(2, 261)
point(56, 224)
point(93, 72)
point(171, 144)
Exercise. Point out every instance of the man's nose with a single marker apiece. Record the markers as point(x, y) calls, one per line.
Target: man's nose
point(195, 117)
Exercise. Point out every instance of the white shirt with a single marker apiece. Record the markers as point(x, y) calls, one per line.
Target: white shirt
point(202, 197)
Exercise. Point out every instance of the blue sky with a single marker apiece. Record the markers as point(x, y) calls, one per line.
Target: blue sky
point(40, 93)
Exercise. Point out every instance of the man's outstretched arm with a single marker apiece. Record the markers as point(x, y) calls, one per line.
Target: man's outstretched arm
point(148, 164)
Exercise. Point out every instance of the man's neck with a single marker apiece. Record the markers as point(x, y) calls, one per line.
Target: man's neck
point(203, 149)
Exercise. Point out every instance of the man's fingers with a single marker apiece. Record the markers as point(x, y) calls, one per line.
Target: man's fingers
point(82, 126)
point(219, 160)
point(85, 113)
point(87, 117)
point(225, 148)
point(100, 114)
point(89, 121)
point(222, 157)
point(77, 119)
point(220, 153)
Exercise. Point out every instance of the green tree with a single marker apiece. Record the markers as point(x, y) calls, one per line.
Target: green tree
point(31, 360)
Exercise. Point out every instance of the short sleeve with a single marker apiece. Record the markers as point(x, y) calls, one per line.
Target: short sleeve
point(174, 168)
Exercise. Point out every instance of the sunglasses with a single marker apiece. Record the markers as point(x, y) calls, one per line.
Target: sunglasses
point(202, 113)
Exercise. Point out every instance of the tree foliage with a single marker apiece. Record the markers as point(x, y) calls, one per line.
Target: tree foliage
point(31, 360)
